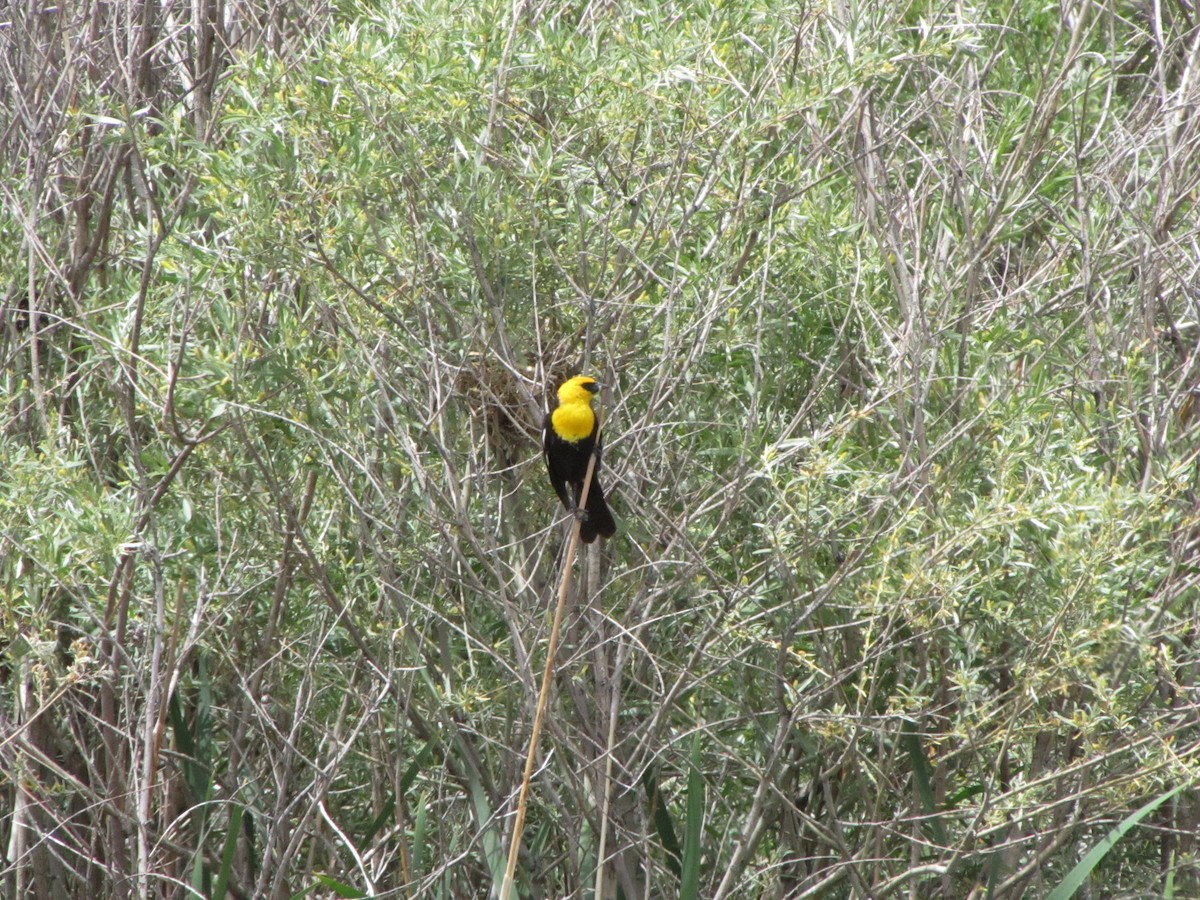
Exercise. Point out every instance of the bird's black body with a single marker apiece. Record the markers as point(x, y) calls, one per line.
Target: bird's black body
point(567, 457)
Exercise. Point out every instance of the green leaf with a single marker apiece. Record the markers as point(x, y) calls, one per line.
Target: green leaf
point(342, 890)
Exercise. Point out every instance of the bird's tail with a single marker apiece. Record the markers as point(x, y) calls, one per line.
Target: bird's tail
point(599, 520)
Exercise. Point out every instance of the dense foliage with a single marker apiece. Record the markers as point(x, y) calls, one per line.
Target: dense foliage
point(897, 310)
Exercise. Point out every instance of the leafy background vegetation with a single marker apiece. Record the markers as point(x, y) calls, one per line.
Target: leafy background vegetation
point(897, 307)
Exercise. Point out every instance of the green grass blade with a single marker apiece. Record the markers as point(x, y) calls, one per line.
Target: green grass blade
point(923, 776)
point(663, 823)
point(385, 816)
point(420, 829)
point(493, 851)
point(1078, 875)
point(689, 882)
point(227, 852)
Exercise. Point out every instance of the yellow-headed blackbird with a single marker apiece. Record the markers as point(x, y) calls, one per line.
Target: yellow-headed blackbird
point(568, 439)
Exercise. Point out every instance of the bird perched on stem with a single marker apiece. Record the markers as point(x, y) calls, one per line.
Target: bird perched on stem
point(569, 439)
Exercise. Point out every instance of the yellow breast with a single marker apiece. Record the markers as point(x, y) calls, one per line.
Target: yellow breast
point(573, 421)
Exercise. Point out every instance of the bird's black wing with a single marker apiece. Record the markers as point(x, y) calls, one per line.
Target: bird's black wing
point(553, 449)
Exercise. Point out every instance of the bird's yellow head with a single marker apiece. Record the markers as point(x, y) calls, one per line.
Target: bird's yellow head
point(579, 389)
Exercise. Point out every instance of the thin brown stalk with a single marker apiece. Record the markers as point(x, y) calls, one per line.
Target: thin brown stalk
point(564, 588)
